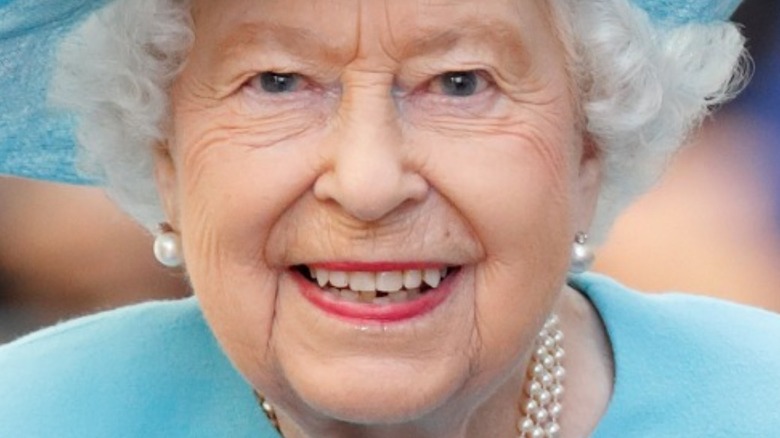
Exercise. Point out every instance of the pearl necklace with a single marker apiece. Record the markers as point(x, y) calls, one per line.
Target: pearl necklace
point(543, 390)
point(544, 387)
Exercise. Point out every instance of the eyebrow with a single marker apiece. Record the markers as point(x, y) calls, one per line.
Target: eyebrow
point(431, 41)
point(308, 45)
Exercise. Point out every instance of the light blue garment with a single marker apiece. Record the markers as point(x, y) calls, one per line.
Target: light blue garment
point(688, 366)
point(147, 371)
point(36, 142)
point(685, 367)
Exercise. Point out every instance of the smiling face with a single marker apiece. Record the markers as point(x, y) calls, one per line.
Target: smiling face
point(376, 199)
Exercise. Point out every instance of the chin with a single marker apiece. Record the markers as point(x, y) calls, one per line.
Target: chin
point(371, 391)
point(375, 400)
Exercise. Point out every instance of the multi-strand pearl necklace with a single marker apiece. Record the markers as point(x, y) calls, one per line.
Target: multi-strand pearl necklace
point(541, 406)
point(544, 385)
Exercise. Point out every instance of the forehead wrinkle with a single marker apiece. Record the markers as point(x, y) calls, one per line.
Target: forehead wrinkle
point(301, 43)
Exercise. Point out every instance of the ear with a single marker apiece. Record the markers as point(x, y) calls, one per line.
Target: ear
point(167, 187)
point(588, 185)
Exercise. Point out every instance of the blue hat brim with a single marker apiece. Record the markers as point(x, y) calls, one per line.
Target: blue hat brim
point(677, 12)
point(37, 142)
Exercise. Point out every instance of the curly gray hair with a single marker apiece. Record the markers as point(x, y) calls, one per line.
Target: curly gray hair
point(643, 87)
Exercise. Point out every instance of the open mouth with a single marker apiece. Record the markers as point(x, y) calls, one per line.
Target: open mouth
point(379, 287)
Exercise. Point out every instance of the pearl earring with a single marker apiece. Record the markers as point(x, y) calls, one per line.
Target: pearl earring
point(167, 247)
point(581, 254)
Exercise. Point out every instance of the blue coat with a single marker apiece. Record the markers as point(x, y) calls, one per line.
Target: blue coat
point(684, 367)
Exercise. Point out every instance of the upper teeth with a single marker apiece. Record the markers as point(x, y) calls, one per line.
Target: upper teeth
point(383, 281)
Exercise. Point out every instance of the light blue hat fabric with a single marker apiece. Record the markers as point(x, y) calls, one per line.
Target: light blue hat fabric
point(675, 12)
point(37, 142)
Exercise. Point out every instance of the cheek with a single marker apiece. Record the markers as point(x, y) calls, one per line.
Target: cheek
point(237, 179)
point(514, 191)
point(231, 197)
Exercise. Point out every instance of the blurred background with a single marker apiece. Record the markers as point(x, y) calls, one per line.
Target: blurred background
point(67, 251)
point(711, 227)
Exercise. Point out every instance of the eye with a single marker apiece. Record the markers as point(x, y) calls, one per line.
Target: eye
point(459, 83)
point(277, 83)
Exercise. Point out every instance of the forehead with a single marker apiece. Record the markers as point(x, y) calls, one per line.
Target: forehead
point(401, 28)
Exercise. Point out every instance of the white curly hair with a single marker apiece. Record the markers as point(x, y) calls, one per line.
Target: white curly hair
point(643, 86)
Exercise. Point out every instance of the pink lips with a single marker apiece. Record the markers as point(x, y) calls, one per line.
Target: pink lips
point(370, 312)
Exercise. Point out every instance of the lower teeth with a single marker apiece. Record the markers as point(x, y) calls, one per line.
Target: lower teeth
point(375, 297)
point(346, 294)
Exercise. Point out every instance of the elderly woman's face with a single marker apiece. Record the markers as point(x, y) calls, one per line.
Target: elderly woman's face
point(376, 198)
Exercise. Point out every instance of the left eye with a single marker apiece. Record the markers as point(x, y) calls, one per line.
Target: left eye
point(277, 83)
point(459, 83)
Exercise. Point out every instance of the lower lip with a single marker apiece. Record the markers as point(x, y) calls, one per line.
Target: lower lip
point(383, 313)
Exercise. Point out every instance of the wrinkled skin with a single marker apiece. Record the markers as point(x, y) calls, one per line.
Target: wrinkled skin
point(369, 156)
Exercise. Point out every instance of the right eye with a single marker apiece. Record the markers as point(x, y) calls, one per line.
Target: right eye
point(277, 83)
point(459, 83)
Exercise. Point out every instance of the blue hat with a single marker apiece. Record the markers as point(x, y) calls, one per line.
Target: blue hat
point(37, 142)
point(688, 11)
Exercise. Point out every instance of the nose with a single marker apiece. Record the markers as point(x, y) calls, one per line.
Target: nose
point(369, 172)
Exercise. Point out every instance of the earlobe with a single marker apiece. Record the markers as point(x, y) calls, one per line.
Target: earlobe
point(165, 173)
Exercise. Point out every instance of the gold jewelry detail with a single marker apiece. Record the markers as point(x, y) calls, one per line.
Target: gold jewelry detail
point(269, 411)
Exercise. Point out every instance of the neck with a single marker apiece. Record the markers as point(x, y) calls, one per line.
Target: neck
point(591, 372)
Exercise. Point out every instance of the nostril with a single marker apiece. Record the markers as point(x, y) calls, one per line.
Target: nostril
point(416, 186)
